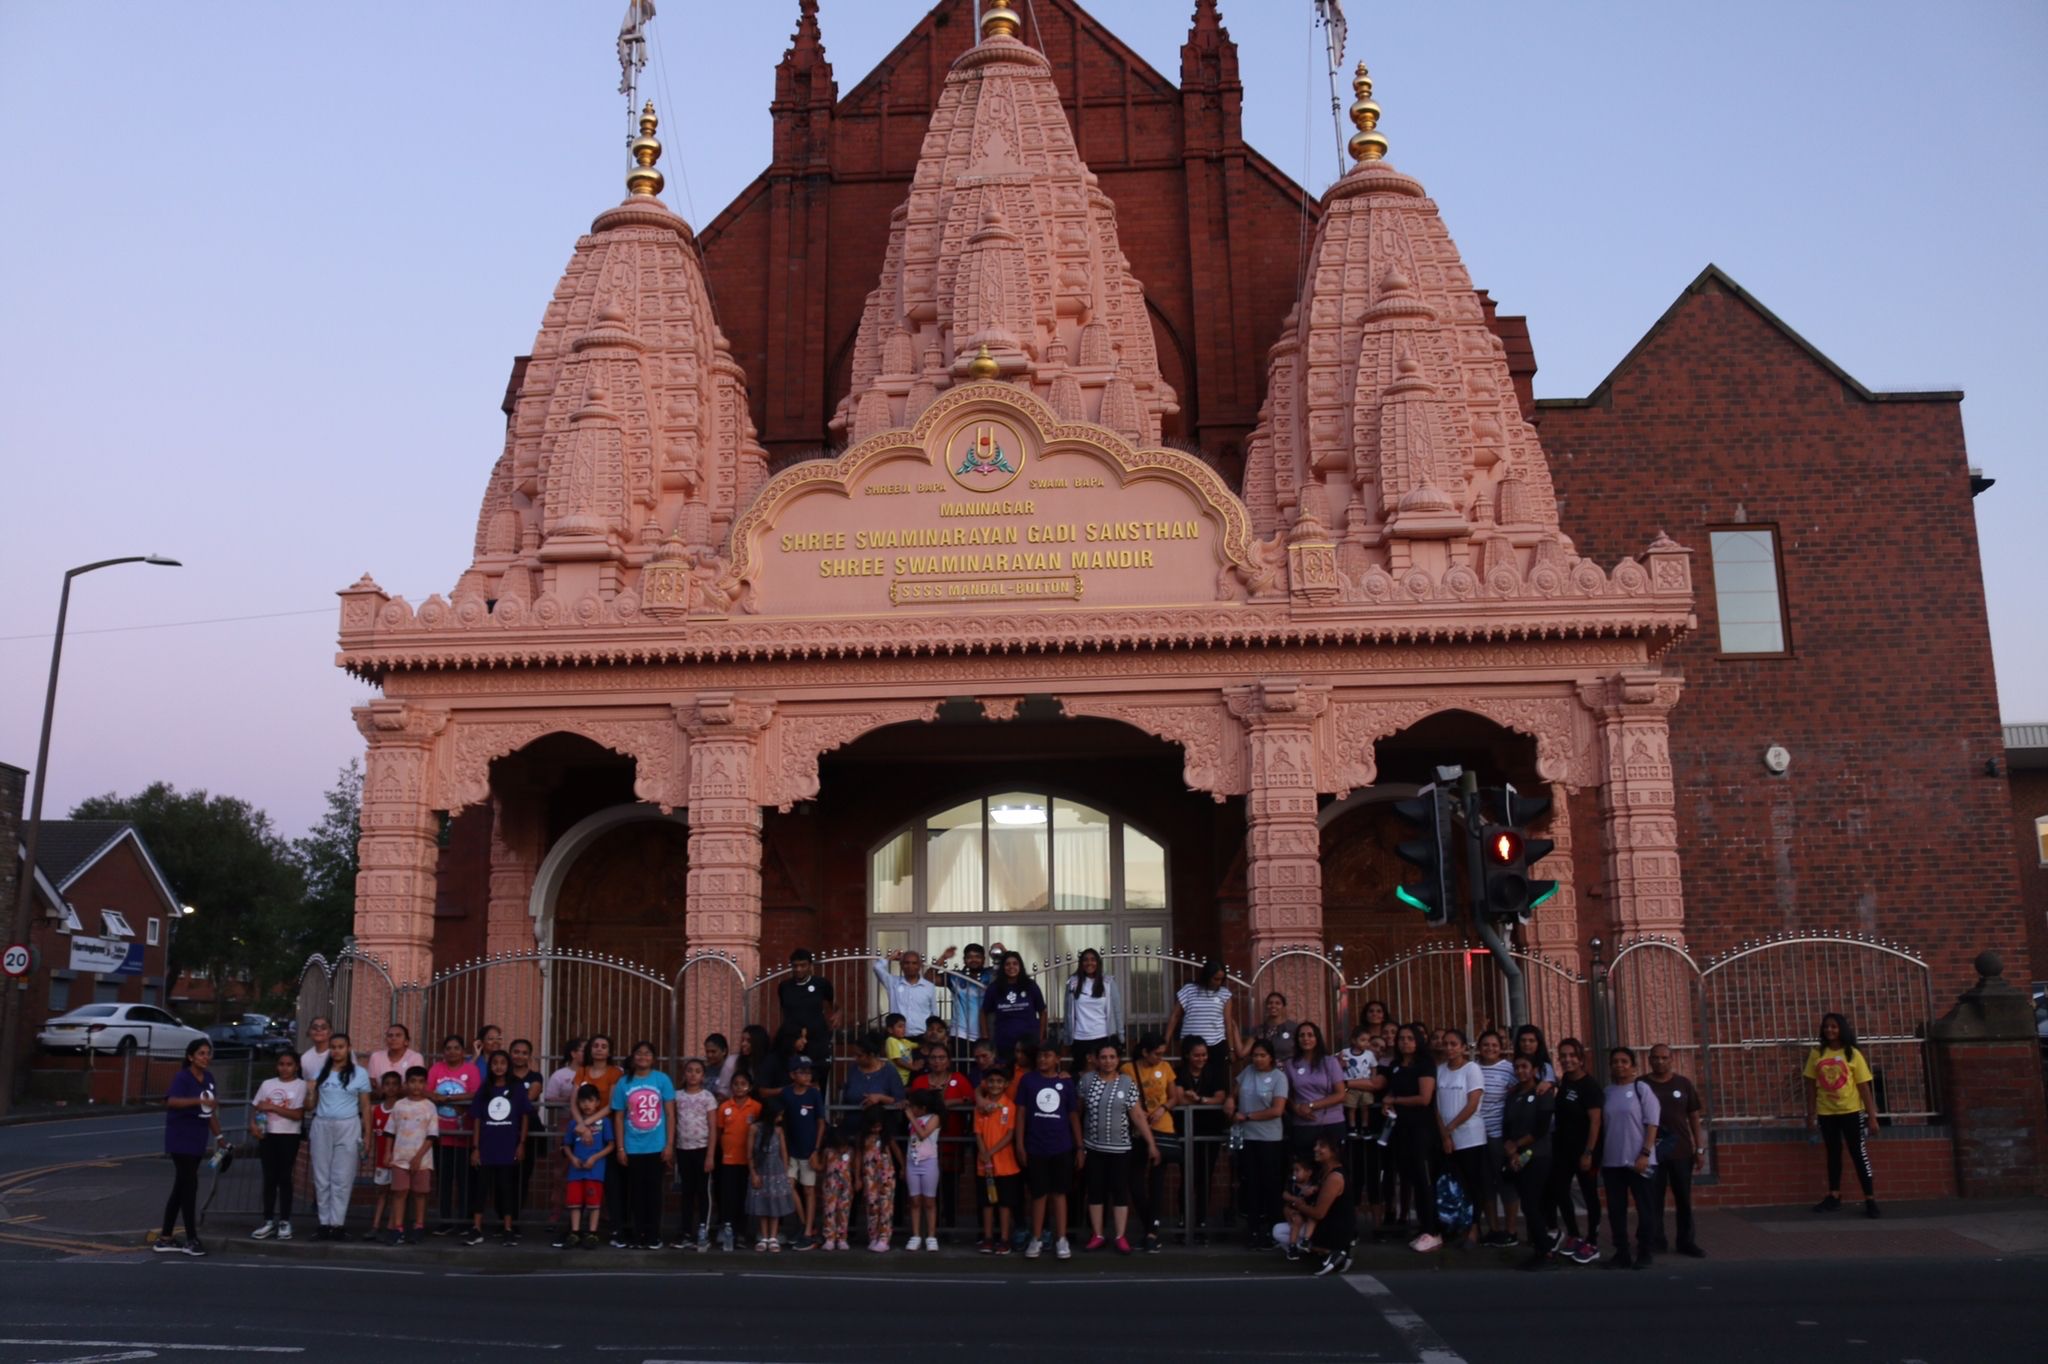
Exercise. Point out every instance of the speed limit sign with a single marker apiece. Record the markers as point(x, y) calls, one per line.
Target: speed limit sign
point(15, 962)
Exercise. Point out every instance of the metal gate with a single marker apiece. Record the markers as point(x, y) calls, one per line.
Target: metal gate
point(353, 992)
point(1460, 985)
point(1741, 1024)
point(545, 997)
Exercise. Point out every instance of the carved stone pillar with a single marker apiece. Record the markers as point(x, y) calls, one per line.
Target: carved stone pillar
point(1284, 869)
point(723, 913)
point(397, 851)
point(508, 918)
point(1554, 931)
point(1638, 803)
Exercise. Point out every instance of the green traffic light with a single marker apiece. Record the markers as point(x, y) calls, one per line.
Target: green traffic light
point(1402, 894)
point(1545, 896)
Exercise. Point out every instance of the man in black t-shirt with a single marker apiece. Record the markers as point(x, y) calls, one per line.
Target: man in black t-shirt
point(1575, 1153)
point(1680, 1150)
point(805, 1000)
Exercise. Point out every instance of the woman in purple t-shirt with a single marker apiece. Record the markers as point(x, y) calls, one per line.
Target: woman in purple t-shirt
point(1315, 1084)
point(191, 1125)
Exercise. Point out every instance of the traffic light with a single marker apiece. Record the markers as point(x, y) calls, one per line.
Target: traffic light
point(1507, 852)
point(1429, 810)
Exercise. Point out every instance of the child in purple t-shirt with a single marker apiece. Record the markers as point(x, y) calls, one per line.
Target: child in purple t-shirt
point(498, 1119)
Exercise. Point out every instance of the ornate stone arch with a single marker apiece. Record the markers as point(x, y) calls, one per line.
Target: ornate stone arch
point(553, 871)
point(1567, 746)
point(655, 745)
point(799, 737)
point(1210, 738)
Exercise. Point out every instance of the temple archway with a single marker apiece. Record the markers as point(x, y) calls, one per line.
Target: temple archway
point(614, 882)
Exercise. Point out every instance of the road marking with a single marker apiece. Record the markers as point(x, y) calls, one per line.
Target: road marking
point(1417, 1334)
point(161, 1345)
point(498, 1344)
point(116, 1357)
point(104, 1132)
point(323, 1268)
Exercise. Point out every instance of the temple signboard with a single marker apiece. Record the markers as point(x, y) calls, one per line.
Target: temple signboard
point(986, 504)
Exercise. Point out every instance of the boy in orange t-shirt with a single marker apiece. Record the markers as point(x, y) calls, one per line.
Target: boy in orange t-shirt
point(733, 1122)
point(995, 1160)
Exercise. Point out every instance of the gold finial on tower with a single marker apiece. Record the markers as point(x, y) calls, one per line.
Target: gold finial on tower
point(646, 149)
point(1368, 143)
point(999, 20)
point(983, 365)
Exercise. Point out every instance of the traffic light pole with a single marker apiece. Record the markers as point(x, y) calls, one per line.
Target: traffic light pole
point(1482, 922)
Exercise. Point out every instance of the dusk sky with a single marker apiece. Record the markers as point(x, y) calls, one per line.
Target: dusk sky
point(267, 267)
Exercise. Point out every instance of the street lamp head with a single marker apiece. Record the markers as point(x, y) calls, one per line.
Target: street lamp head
point(187, 911)
point(161, 561)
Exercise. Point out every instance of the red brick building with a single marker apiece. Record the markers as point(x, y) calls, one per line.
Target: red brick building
point(96, 881)
point(1807, 743)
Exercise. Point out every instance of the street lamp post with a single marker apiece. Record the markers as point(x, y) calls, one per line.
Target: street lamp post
point(24, 901)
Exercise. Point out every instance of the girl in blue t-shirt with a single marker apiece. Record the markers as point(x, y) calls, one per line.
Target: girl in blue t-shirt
point(641, 1102)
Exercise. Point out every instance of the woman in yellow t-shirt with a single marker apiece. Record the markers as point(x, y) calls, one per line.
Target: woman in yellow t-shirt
point(1841, 1102)
point(1156, 1082)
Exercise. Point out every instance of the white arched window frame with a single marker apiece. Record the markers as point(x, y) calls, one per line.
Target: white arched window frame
point(1039, 871)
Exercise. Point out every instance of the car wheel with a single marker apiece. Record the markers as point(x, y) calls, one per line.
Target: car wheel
point(126, 1046)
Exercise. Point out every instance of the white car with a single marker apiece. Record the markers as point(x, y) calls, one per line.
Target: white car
point(119, 1028)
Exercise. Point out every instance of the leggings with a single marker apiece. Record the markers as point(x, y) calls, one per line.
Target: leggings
point(1107, 1178)
point(1411, 1160)
point(1532, 1188)
point(1840, 1128)
point(279, 1152)
point(1262, 1165)
point(502, 1184)
point(696, 1194)
point(1564, 1171)
point(615, 1197)
point(644, 1178)
point(1148, 1186)
point(184, 1199)
point(732, 1196)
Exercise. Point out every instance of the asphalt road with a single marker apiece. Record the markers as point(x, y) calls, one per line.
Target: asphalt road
point(103, 1309)
point(28, 1145)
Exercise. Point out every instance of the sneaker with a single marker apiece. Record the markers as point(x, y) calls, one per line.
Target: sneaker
point(264, 1232)
point(373, 1235)
point(1425, 1243)
point(1031, 1251)
point(1293, 1251)
point(1123, 1245)
point(1095, 1242)
point(563, 1239)
point(1063, 1250)
point(1336, 1262)
point(1557, 1239)
point(879, 1247)
point(590, 1240)
point(806, 1243)
point(473, 1237)
point(284, 1231)
point(984, 1247)
point(1832, 1203)
point(618, 1241)
point(446, 1229)
point(916, 1243)
point(1688, 1248)
point(1001, 1248)
point(1870, 1208)
point(510, 1238)
point(194, 1248)
point(1152, 1243)
point(168, 1245)
point(1583, 1252)
point(656, 1244)
point(394, 1237)
point(415, 1236)
point(931, 1244)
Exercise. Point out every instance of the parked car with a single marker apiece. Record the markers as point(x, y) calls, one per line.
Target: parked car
point(258, 1032)
point(118, 1028)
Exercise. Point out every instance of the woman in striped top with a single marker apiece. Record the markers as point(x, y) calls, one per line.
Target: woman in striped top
point(1201, 1007)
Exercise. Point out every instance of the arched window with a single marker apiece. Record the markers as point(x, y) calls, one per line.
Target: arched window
point(1043, 875)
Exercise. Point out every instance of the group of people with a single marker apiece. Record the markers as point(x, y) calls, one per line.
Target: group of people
point(1408, 1132)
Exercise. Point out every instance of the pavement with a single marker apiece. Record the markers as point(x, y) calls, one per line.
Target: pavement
point(1927, 1283)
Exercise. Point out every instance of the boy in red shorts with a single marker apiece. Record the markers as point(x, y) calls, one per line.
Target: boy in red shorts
point(585, 1146)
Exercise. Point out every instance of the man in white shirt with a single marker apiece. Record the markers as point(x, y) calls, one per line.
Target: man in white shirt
point(912, 994)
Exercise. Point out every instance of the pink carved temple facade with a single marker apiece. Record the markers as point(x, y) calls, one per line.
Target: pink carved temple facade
point(680, 674)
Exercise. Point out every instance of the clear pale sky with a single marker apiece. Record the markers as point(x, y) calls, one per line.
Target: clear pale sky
point(267, 265)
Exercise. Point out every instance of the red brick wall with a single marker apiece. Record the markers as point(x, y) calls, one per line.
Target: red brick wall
point(1786, 1168)
point(1886, 822)
point(1993, 1092)
point(2029, 803)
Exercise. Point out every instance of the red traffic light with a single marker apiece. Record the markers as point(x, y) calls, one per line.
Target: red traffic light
point(1504, 846)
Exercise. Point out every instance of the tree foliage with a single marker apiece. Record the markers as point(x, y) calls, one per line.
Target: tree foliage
point(264, 903)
